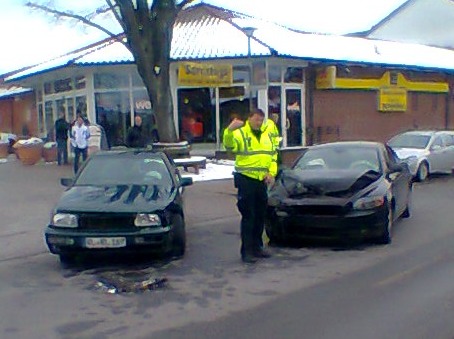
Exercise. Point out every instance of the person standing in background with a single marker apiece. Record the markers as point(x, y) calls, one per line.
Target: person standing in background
point(61, 137)
point(79, 139)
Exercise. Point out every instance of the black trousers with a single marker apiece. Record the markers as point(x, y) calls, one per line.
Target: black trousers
point(252, 202)
point(77, 152)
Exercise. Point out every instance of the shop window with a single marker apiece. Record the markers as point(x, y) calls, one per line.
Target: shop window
point(63, 85)
point(144, 109)
point(41, 127)
point(241, 74)
point(48, 88)
point(49, 116)
point(109, 80)
point(39, 95)
point(274, 73)
point(114, 107)
point(137, 80)
point(80, 82)
point(294, 75)
point(259, 73)
point(81, 105)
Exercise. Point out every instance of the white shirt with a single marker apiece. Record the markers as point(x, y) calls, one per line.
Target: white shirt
point(80, 136)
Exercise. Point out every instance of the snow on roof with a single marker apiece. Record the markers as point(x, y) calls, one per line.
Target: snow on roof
point(217, 33)
point(8, 92)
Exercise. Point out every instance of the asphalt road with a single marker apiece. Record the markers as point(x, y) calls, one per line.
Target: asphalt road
point(403, 290)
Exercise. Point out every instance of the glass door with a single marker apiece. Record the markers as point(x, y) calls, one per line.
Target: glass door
point(294, 121)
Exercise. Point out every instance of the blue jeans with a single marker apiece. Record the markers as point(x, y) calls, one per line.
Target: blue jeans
point(77, 152)
point(62, 152)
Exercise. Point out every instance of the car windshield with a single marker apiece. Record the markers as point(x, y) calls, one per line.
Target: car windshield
point(340, 158)
point(409, 141)
point(125, 170)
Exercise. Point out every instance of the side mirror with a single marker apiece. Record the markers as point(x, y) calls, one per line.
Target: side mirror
point(67, 182)
point(186, 181)
point(435, 147)
point(395, 168)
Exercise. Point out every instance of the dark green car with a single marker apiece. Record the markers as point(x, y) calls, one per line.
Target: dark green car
point(120, 201)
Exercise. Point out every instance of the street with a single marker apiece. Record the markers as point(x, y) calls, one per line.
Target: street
point(402, 290)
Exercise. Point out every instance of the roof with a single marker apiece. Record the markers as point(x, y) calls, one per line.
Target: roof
point(204, 32)
point(13, 91)
point(429, 22)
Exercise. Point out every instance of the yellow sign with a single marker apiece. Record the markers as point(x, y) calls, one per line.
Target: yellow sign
point(205, 75)
point(392, 99)
point(327, 79)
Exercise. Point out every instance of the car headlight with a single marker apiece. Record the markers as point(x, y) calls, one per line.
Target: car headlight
point(145, 220)
point(64, 220)
point(368, 203)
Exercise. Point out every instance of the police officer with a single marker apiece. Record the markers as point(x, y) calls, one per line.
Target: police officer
point(255, 169)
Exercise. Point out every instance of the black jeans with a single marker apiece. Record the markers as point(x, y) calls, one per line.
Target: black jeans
point(62, 152)
point(252, 203)
point(77, 152)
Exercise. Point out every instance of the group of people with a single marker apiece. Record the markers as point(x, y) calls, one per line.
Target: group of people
point(78, 133)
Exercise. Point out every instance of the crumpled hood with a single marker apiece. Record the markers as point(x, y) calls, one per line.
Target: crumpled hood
point(404, 153)
point(119, 198)
point(335, 183)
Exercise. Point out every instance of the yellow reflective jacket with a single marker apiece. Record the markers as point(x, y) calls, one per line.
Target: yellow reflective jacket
point(271, 128)
point(253, 158)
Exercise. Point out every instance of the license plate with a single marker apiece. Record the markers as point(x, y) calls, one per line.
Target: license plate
point(112, 242)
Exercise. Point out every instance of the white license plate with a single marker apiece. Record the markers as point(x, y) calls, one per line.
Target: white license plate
point(112, 242)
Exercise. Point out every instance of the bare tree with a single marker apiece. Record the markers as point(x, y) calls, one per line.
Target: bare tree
point(148, 30)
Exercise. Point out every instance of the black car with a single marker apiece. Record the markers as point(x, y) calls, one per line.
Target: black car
point(344, 190)
point(120, 201)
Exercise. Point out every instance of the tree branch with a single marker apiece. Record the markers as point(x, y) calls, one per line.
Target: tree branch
point(74, 16)
point(184, 3)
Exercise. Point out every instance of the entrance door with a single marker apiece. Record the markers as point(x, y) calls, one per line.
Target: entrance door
point(294, 120)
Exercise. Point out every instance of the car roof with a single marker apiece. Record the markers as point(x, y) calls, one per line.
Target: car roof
point(427, 132)
point(368, 144)
point(129, 152)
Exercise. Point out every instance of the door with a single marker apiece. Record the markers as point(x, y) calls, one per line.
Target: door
point(294, 121)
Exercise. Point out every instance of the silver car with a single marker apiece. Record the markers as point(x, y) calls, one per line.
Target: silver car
point(426, 152)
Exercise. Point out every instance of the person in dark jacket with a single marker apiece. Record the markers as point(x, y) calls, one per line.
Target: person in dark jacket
point(61, 137)
point(135, 137)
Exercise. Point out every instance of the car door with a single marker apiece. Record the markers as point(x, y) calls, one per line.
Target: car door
point(400, 180)
point(448, 159)
point(437, 154)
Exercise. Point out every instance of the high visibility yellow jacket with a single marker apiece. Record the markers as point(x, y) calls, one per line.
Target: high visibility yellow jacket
point(253, 158)
point(271, 128)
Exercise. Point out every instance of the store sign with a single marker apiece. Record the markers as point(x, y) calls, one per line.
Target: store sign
point(205, 75)
point(392, 99)
point(143, 105)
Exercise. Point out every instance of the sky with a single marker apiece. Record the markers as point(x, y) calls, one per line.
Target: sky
point(30, 37)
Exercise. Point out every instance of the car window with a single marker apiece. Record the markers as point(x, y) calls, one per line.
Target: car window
point(407, 140)
point(125, 170)
point(447, 139)
point(350, 157)
point(437, 142)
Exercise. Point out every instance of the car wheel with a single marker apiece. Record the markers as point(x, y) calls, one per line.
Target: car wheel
point(386, 236)
point(178, 236)
point(423, 172)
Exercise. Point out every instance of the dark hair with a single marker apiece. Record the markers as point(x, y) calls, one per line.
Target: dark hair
point(257, 111)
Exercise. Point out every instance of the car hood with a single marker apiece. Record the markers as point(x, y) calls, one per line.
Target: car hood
point(404, 153)
point(118, 198)
point(298, 184)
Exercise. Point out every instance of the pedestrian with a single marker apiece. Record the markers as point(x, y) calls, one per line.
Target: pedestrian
point(135, 137)
point(255, 169)
point(79, 140)
point(61, 137)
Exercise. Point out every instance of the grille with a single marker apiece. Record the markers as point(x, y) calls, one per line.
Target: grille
point(320, 210)
point(106, 222)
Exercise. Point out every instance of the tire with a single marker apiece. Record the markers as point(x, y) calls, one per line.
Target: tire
point(178, 236)
point(386, 235)
point(423, 172)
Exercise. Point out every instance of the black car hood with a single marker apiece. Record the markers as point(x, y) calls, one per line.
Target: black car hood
point(297, 184)
point(118, 198)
